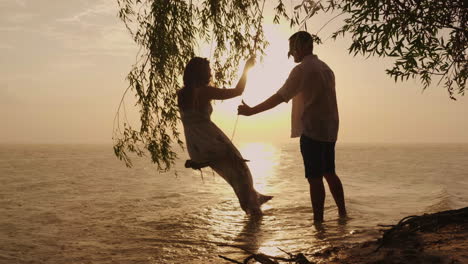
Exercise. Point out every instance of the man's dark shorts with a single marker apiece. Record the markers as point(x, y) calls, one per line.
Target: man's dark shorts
point(319, 157)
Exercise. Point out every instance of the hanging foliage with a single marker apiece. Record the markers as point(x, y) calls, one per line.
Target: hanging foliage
point(168, 33)
point(427, 38)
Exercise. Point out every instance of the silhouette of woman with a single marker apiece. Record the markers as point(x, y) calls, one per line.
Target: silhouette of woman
point(206, 143)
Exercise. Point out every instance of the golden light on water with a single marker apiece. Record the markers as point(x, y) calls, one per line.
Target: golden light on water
point(270, 250)
point(263, 159)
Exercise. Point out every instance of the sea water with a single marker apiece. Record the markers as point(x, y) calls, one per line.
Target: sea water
point(80, 204)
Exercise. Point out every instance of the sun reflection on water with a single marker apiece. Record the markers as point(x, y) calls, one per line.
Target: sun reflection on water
point(263, 159)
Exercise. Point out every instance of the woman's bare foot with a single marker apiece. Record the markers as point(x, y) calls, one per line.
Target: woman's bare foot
point(264, 198)
point(254, 212)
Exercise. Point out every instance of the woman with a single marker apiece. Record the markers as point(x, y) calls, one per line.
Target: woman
point(206, 143)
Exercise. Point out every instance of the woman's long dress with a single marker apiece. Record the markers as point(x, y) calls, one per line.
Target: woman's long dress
point(207, 143)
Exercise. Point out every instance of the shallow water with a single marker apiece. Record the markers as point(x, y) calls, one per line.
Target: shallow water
point(79, 204)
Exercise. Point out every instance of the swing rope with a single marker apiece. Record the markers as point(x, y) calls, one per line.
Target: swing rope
point(251, 51)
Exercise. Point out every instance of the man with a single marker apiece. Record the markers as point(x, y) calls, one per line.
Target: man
point(314, 117)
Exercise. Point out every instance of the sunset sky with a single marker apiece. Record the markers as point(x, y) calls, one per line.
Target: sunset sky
point(63, 67)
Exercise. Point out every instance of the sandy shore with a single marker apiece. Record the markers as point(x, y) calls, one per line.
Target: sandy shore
point(437, 238)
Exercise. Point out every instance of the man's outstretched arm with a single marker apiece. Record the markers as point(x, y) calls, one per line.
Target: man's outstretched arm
point(268, 104)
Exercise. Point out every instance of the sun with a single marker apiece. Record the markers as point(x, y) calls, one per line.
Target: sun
point(264, 80)
point(268, 75)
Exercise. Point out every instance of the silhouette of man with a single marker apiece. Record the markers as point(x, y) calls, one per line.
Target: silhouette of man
point(314, 117)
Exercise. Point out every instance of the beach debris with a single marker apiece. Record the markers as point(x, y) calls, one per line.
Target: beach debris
point(266, 259)
point(423, 223)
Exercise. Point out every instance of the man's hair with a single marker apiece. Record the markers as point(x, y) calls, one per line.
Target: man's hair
point(303, 38)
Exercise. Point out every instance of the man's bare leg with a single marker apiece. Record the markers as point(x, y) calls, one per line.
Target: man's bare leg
point(336, 188)
point(317, 197)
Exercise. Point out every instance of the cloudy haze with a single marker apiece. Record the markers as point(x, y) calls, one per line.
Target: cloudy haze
point(63, 65)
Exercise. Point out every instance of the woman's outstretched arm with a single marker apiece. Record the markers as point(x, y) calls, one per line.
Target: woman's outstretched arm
point(223, 94)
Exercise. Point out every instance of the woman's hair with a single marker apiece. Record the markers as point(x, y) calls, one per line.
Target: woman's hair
point(196, 75)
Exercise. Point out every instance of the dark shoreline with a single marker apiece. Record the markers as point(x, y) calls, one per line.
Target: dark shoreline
point(439, 238)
